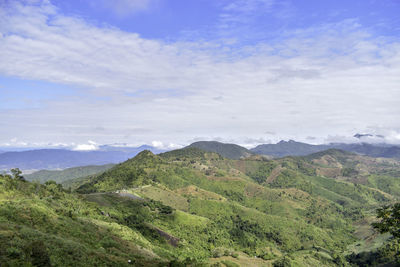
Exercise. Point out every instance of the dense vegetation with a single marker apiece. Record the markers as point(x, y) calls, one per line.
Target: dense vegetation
point(388, 254)
point(42, 225)
point(192, 207)
point(389, 220)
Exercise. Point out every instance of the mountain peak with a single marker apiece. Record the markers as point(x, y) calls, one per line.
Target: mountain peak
point(144, 156)
point(231, 151)
point(290, 141)
point(358, 135)
point(144, 153)
point(368, 136)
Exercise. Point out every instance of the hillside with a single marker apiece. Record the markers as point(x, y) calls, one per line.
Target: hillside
point(42, 225)
point(379, 173)
point(231, 151)
point(288, 193)
point(196, 207)
point(67, 174)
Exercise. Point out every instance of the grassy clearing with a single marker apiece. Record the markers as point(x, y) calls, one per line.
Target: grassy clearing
point(167, 197)
point(194, 191)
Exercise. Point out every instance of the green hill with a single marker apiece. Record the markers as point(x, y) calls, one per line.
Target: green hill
point(42, 225)
point(193, 207)
point(231, 151)
point(67, 174)
point(249, 183)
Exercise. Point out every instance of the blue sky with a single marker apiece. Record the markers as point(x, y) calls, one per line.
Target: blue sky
point(170, 72)
point(172, 20)
point(18, 93)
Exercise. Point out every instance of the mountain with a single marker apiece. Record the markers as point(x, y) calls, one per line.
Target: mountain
point(190, 207)
point(328, 191)
point(359, 136)
point(373, 150)
point(288, 148)
point(62, 158)
point(369, 136)
point(67, 174)
point(231, 151)
point(293, 148)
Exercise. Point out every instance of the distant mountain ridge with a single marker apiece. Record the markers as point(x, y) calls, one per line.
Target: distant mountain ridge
point(51, 159)
point(293, 148)
point(288, 148)
point(231, 151)
point(373, 150)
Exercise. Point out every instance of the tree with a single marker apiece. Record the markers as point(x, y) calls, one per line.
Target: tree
point(17, 174)
point(39, 255)
point(284, 261)
point(389, 220)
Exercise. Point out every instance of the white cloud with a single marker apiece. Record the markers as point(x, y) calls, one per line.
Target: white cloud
point(169, 146)
point(372, 135)
point(172, 146)
point(157, 144)
point(330, 79)
point(90, 146)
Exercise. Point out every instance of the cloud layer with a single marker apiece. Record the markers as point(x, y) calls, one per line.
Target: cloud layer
point(331, 79)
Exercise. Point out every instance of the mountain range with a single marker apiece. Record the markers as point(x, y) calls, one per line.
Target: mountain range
point(190, 207)
point(293, 148)
point(52, 159)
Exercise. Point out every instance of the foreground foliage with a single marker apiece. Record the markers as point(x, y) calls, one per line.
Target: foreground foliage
point(389, 220)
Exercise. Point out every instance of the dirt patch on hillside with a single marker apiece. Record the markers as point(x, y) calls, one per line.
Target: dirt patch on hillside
point(172, 240)
point(275, 173)
point(329, 172)
point(328, 160)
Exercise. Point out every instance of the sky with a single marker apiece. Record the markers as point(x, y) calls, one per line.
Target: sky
point(81, 73)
